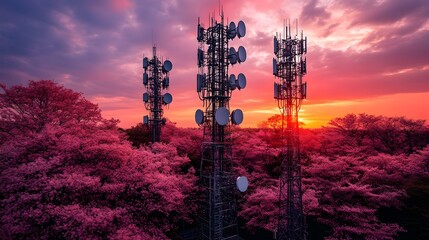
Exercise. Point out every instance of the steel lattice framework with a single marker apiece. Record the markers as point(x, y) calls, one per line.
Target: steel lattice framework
point(218, 210)
point(289, 67)
point(156, 80)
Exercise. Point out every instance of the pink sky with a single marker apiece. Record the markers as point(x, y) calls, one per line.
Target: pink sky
point(363, 56)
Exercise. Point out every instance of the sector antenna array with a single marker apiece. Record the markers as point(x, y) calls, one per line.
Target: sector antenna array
point(156, 80)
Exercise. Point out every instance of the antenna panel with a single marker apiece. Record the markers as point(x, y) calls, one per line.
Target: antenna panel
point(304, 66)
point(304, 90)
point(200, 57)
point(146, 120)
point(242, 183)
point(167, 98)
point(199, 82)
point(222, 116)
point(276, 45)
point(275, 70)
point(145, 78)
point(145, 62)
point(237, 117)
point(200, 33)
point(241, 54)
point(241, 29)
point(276, 90)
point(145, 97)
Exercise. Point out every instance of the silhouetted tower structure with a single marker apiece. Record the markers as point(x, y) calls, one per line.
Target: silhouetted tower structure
point(289, 66)
point(218, 210)
point(156, 79)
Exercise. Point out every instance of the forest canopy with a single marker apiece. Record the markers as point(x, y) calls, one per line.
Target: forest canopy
point(69, 173)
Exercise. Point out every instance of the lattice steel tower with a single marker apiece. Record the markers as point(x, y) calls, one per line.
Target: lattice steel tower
point(218, 210)
point(156, 79)
point(289, 66)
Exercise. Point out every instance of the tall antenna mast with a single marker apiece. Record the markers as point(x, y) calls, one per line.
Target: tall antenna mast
point(218, 210)
point(156, 79)
point(289, 66)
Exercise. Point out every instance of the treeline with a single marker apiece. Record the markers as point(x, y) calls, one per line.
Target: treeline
point(68, 173)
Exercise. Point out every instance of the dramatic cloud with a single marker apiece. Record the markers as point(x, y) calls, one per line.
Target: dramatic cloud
point(359, 52)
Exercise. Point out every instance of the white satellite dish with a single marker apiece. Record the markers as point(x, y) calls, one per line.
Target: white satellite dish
point(241, 29)
point(232, 31)
point(242, 183)
point(145, 62)
point(237, 117)
point(167, 66)
point(276, 45)
point(241, 54)
point(222, 116)
point(199, 117)
point(232, 55)
point(145, 78)
point(145, 119)
point(275, 70)
point(167, 98)
point(145, 97)
point(241, 81)
point(232, 81)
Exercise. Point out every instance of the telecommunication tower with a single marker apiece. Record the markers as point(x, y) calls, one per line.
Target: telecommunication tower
point(218, 209)
point(289, 67)
point(156, 79)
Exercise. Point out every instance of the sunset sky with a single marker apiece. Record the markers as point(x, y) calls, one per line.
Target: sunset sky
point(363, 56)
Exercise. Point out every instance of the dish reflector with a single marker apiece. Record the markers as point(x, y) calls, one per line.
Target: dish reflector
point(237, 116)
point(145, 119)
point(232, 31)
point(232, 55)
point(241, 82)
point(199, 117)
point(167, 66)
point(275, 71)
point(145, 62)
point(242, 183)
point(222, 116)
point(145, 97)
point(145, 78)
point(232, 81)
point(241, 29)
point(241, 54)
point(167, 98)
point(276, 45)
